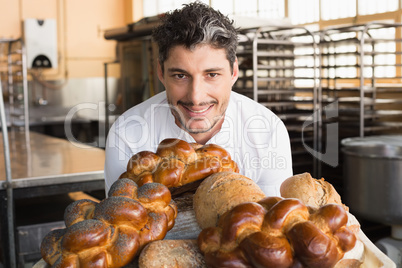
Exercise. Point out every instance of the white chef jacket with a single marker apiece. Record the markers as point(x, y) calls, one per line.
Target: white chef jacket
point(254, 136)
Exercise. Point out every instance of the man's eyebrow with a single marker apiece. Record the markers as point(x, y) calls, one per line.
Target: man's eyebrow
point(210, 70)
point(216, 69)
point(177, 70)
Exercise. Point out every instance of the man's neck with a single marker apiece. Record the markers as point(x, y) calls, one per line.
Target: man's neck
point(204, 137)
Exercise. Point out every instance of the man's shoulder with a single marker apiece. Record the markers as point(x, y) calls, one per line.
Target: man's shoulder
point(141, 113)
point(248, 105)
point(158, 99)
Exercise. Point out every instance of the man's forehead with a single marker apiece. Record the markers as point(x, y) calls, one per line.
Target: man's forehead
point(192, 49)
point(206, 55)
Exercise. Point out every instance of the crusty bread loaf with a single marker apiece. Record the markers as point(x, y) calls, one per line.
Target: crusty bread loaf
point(219, 193)
point(111, 233)
point(178, 163)
point(317, 193)
point(276, 232)
point(171, 254)
point(310, 191)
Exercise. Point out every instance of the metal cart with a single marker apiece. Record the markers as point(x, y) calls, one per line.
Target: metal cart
point(360, 70)
point(278, 68)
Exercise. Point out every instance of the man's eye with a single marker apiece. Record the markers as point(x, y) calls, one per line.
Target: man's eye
point(180, 76)
point(212, 75)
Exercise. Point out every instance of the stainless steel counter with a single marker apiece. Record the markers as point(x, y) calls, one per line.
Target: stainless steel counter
point(45, 160)
point(42, 166)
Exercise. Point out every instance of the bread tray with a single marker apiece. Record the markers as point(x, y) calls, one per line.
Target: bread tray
point(373, 256)
point(186, 227)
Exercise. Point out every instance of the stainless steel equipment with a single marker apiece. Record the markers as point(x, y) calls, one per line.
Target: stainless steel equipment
point(137, 56)
point(373, 185)
point(373, 177)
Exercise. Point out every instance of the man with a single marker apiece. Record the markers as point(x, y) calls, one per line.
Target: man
point(198, 67)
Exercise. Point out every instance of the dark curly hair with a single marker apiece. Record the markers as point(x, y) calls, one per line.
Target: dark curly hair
point(196, 23)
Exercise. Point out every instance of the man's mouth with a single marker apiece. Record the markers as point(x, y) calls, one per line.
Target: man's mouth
point(194, 111)
point(198, 111)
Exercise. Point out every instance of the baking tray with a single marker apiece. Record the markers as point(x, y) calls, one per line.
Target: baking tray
point(373, 256)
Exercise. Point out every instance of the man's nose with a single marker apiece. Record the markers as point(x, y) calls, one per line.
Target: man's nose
point(196, 91)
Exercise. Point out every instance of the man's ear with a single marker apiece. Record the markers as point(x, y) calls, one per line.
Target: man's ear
point(160, 73)
point(235, 74)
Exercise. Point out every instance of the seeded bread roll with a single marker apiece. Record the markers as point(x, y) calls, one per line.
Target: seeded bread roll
point(219, 193)
point(171, 254)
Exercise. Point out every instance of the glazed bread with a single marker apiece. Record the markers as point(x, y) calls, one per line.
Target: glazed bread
point(171, 254)
point(219, 193)
point(111, 233)
point(310, 191)
point(177, 163)
point(277, 232)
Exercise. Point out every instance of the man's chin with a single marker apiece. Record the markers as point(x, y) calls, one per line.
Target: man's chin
point(197, 130)
point(198, 126)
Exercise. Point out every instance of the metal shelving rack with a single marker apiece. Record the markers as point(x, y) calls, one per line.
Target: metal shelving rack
point(278, 68)
point(14, 115)
point(13, 73)
point(360, 70)
point(370, 91)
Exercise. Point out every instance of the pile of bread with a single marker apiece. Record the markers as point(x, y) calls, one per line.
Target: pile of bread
point(307, 227)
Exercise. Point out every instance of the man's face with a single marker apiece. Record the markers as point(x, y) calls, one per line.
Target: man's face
point(198, 83)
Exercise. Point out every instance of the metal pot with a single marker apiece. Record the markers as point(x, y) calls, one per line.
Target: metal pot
point(373, 177)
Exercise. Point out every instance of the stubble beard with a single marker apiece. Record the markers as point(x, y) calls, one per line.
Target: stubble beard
point(179, 118)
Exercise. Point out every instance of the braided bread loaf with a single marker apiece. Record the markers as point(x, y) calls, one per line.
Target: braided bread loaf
point(177, 163)
point(277, 232)
point(110, 233)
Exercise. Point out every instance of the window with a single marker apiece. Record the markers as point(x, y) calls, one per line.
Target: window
point(303, 11)
point(337, 9)
point(373, 6)
point(269, 9)
point(273, 9)
point(155, 7)
point(384, 59)
point(226, 7)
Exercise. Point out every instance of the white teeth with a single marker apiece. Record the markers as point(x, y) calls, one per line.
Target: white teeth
point(200, 111)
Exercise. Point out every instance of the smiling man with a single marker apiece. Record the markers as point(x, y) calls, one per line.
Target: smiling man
point(199, 81)
point(197, 65)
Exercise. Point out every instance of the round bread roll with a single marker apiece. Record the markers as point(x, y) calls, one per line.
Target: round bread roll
point(311, 192)
point(171, 254)
point(221, 192)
